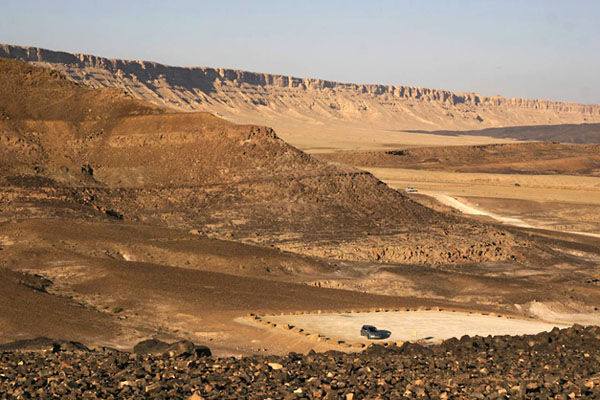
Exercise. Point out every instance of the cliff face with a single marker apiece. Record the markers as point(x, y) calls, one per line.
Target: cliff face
point(306, 112)
point(68, 151)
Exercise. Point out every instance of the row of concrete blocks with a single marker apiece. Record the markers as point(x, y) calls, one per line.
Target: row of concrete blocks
point(322, 338)
point(314, 336)
point(385, 310)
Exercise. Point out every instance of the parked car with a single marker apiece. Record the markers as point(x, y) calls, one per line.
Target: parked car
point(411, 190)
point(372, 332)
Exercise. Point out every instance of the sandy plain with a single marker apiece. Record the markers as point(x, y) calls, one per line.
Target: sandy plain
point(413, 325)
point(148, 274)
point(563, 202)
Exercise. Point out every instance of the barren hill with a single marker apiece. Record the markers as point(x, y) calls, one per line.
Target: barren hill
point(104, 152)
point(524, 158)
point(310, 113)
point(121, 220)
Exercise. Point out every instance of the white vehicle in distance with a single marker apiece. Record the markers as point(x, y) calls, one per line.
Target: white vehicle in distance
point(411, 190)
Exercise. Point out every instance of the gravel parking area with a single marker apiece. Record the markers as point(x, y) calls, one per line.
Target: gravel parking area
point(412, 325)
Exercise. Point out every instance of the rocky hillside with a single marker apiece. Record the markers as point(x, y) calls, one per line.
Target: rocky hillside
point(71, 151)
point(306, 112)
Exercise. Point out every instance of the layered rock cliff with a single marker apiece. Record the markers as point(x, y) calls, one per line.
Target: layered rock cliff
point(72, 152)
point(307, 112)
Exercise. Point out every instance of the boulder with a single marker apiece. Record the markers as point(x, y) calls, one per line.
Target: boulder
point(151, 346)
point(177, 349)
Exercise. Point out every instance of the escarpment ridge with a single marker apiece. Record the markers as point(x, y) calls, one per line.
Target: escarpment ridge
point(147, 69)
point(308, 113)
point(107, 152)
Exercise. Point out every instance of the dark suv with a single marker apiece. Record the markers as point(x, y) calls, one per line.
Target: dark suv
point(372, 332)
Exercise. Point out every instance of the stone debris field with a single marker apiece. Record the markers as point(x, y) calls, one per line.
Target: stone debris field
point(561, 364)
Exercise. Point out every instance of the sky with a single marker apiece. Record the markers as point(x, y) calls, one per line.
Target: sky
point(547, 49)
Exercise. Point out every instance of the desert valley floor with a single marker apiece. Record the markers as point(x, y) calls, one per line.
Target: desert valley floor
point(124, 218)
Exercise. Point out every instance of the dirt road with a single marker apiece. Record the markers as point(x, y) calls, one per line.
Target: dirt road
point(470, 210)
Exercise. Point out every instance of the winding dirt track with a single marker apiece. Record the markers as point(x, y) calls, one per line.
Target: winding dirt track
point(470, 210)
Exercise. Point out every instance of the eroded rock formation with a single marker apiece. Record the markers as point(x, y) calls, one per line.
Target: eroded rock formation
point(305, 112)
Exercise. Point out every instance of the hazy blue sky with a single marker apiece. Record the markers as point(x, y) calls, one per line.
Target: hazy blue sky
point(522, 48)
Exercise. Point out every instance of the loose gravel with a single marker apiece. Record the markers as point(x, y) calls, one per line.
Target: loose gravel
point(561, 364)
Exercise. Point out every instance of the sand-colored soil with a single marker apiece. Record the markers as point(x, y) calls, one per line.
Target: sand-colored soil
point(559, 202)
point(314, 114)
point(560, 216)
point(133, 221)
point(564, 133)
point(576, 189)
point(466, 208)
point(531, 158)
point(116, 284)
point(412, 325)
point(532, 185)
point(109, 153)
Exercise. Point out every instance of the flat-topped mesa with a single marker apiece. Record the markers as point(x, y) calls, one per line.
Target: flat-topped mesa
point(308, 113)
point(144, 70)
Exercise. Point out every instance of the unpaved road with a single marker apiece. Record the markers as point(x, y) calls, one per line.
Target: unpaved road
point(470, 210)
point(412, 325)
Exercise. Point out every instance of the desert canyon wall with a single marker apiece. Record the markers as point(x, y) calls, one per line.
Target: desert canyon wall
point(307, 112)
point(71, 152)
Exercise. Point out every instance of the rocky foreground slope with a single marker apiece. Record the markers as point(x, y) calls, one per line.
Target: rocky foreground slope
point(306, 112)
point(559, 364)
point(70, 151)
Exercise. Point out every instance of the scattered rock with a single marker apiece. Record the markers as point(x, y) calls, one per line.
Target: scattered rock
point(114, 214)
point(151, 346)
point(559, 364)
point(177, 349)
point(35, 282)
point(275, 366)
point(182, 348)
point(42, 344)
